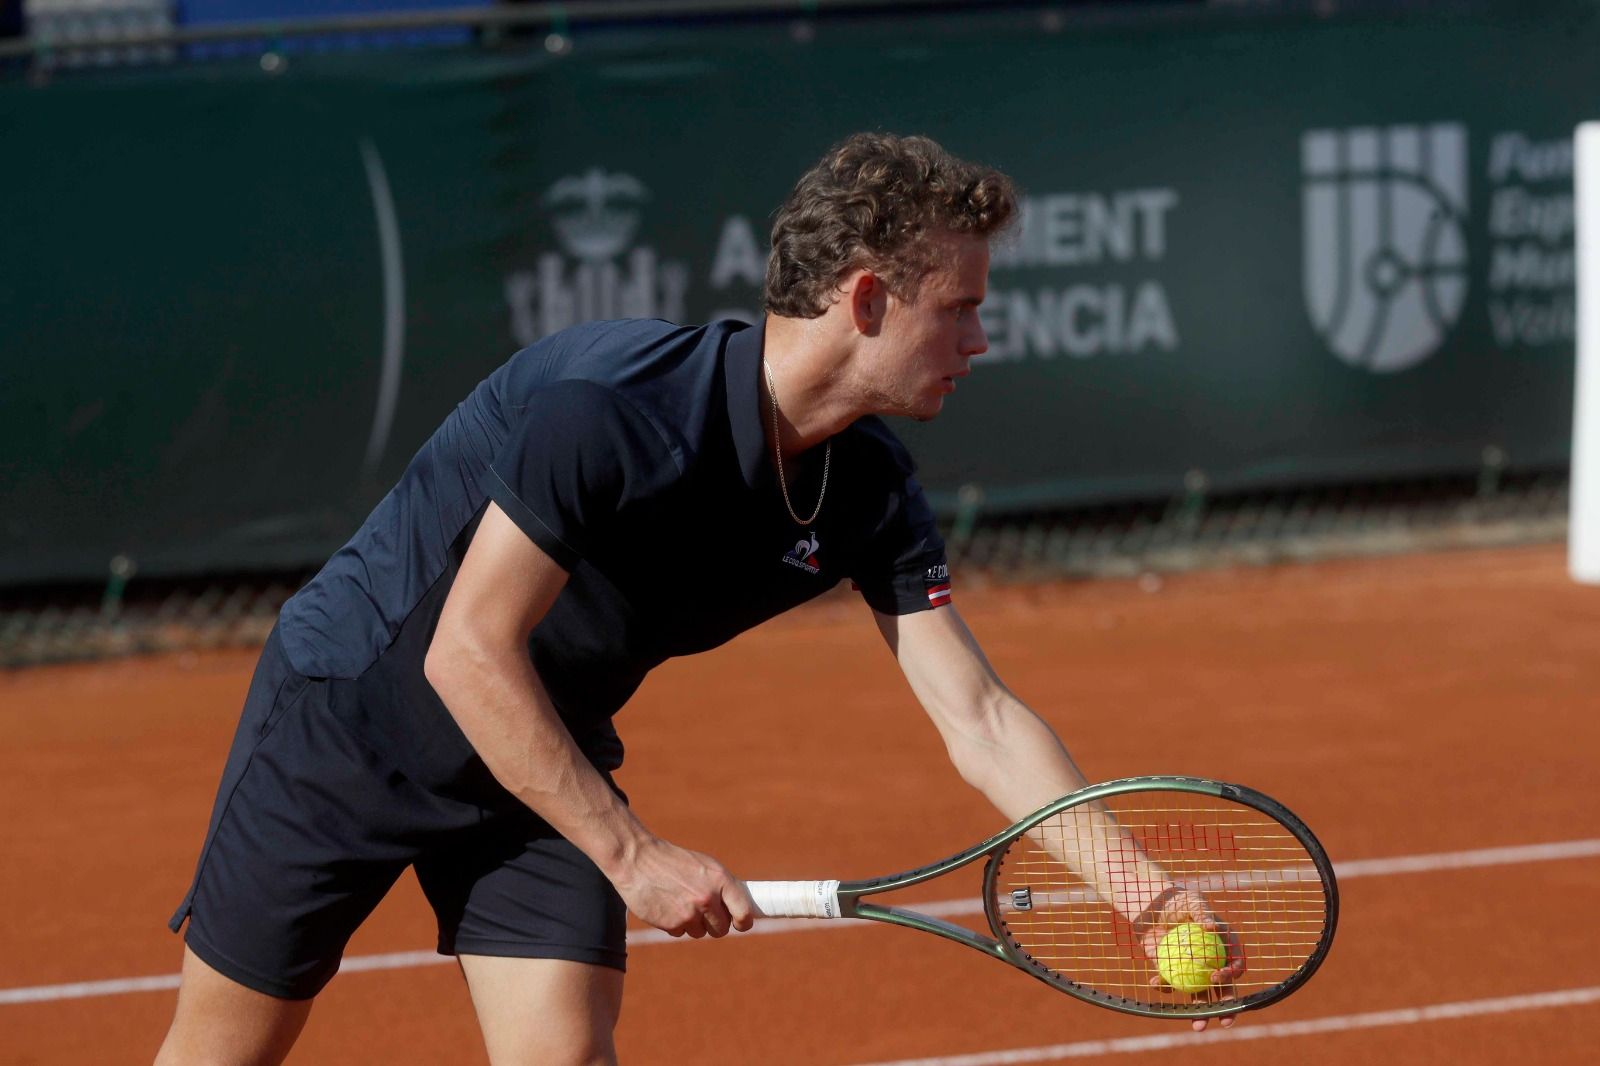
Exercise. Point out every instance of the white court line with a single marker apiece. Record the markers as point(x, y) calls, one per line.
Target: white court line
point(1457, 860)
point(1572, 997)
point(1345, 871)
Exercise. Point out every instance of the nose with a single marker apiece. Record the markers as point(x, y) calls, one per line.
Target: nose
point(977, 341)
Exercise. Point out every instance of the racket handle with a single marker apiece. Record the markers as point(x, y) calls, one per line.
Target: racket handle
point(795, 899)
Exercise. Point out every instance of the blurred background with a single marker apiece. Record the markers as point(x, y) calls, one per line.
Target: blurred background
point(1293, 279)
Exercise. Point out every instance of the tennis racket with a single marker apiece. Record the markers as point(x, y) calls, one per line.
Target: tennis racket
point(1078, 892)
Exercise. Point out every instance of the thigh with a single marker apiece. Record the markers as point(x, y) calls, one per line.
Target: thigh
point(546, 1011)
point(308, 834)
point(513, 887)
point(222, 1023)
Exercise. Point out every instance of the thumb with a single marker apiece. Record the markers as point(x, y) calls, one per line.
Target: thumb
point(741, 908)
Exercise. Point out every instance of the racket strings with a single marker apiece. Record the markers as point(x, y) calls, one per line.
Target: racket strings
point(1063, 888)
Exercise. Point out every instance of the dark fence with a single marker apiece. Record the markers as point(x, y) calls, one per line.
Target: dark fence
point(1258, 252)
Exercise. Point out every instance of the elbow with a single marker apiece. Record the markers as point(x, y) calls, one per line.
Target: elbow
point(977, 744)
point(976, 768)
point(447, 661)
point(433, 665)
point(973, 773)
point(436, 667)
point(465, 662)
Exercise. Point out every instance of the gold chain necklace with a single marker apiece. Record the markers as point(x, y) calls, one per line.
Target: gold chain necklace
point(777, 446)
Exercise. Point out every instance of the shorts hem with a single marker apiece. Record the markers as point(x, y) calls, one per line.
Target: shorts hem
point(233, 971)
point(513, 949)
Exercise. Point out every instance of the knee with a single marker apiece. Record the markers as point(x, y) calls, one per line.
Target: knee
point(596, 1051)
point(592, 1055)
point(545, 1011)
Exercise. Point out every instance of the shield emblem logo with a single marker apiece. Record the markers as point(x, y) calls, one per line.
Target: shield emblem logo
point(595, 215)
point(1385, 240)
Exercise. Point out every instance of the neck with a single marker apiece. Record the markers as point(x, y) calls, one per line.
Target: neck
point(808, 374)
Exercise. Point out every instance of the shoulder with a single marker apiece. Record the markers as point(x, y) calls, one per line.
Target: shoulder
point(669, 375)
point(613, 332)
point(624, 332)
point(583, 394)
point(584, 411)
point(626, 349)
point(651, 361)
point(603, 351)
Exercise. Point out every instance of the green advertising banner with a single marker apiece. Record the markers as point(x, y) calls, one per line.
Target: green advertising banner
point(1275, 250)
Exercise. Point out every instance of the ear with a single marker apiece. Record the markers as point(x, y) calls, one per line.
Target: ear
point(868, 298)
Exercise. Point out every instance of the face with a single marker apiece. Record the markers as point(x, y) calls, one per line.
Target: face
point(924, 346)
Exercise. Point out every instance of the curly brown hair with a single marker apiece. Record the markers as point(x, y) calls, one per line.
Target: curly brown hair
point(870, 203)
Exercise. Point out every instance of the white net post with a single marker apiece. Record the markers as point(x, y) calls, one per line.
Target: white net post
point(1583, 535)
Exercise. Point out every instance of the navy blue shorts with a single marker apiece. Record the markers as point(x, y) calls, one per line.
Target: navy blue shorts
point(312, 826)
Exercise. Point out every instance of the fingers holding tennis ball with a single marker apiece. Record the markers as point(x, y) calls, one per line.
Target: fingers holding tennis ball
point(1188, 957)
point(1177, 908)
point(1204, 956)
point(1174, 909)
point(1193, 959)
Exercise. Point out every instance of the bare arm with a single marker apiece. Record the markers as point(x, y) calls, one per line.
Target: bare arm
point(1014, 758)
point(1008, 752)
point(479, 665)
point(997, 744)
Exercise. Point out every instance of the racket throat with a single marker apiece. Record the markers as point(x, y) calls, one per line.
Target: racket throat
point(925, 922)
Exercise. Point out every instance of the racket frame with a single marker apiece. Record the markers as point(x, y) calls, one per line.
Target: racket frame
point(852, 904)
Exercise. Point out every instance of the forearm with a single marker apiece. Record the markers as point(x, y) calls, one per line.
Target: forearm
point(478, 664)
point(1015, 759)
point(1019, 763)
point(500, 703)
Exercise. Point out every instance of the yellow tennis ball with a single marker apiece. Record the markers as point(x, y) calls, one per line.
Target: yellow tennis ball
point(1187, 955)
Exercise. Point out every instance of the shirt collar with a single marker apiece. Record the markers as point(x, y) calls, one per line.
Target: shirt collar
point(741, 368)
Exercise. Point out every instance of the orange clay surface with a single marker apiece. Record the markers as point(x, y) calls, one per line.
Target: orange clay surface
point(1402, 706)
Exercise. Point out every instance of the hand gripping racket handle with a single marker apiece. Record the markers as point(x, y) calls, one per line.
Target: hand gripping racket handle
point(795, 899)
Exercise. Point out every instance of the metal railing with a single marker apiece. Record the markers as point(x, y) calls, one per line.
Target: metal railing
point(556, 17)
point(492, 21)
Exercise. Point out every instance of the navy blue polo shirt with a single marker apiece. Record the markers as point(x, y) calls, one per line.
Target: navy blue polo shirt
point(632, 453)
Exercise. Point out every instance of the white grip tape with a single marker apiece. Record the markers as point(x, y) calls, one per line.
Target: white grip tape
point(795, 899)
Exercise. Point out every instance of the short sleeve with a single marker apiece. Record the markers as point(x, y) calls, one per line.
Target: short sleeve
point(905, 569)
point(577, 455)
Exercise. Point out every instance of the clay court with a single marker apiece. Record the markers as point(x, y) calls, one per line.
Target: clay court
point(1431, 717)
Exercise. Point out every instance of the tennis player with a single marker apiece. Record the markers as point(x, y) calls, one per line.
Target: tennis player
point(441, 694)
